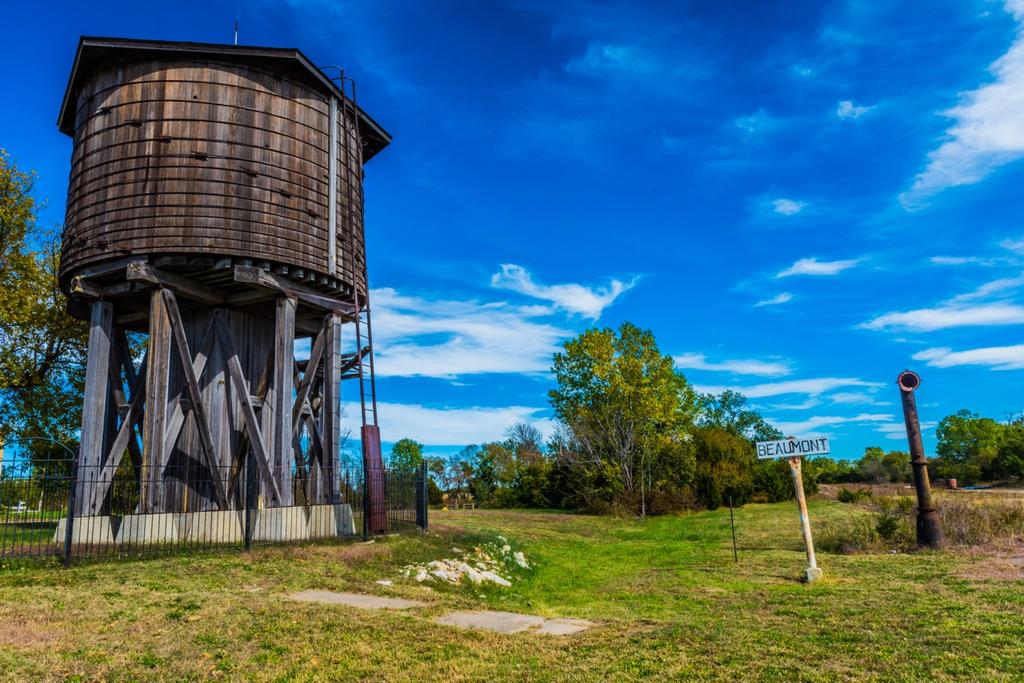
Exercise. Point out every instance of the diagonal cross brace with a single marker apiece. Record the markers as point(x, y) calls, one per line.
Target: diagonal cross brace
point(192, 384)
point(241, 388)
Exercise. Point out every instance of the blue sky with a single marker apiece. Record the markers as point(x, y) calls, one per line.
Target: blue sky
point(799, 199)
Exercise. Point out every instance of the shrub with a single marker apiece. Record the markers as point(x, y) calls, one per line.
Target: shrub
point(851, 496)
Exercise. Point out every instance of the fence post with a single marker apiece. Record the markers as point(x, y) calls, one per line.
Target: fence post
point(251, 487)
point(69, 524)
point(421, 497)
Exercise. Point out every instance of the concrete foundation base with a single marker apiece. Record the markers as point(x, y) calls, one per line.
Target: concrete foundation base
point(812, 574)
point(94, 530)
point(213, 526)
point(161, 527)
point(280, 524)
point(331, 521)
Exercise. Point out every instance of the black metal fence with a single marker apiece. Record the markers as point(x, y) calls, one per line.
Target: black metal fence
point(51, 508)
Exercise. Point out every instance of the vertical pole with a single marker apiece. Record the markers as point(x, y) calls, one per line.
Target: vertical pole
point(421, 497)
point(732, 525)
point(94, 408)
point(154, 422)
point(283, 382)
point(813, 572)
point(331, 410)
point(332, 188)
point(69, 525)
point(251, 487)
point(929, 528)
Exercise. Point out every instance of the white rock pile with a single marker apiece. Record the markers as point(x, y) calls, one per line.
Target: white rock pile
point(489, 563)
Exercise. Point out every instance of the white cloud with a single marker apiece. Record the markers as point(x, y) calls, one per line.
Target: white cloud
point(947, 316)
point(807, 427)
point(589, 302)
point(812, 266)
point(995, 357)
point(810, 387)
point(780, 298)
point(987, 130)
point(960, 261)
point(898, 430)
point(962, 310)
point(988, 289)
point(698, 361)
point(846, 109)
point(448, 426)
point(440, 338)
point(788, 207)
point(1013, 245)
point(855, 398)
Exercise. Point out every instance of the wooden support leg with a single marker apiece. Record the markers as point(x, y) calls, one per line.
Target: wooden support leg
point(283, 385)
point(331, 411)
point(94, 409)
point(154, 425)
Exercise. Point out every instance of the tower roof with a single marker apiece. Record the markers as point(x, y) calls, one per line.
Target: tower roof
point(96, 52)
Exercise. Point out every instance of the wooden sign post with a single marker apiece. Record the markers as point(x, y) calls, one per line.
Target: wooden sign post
point(793, 450)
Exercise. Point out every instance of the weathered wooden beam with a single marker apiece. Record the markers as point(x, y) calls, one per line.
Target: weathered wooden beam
point(143, 272)
point(192, 385)
point(108, 268)
point(284, 362)
point(331, 409)
point(241, 388)
point(125, 438)
point(261, 278)
point(302, 391)
point(178, 412)
point(94, 408)
point(154, 452)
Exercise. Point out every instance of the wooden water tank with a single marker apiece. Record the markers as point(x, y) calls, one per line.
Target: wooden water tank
point(214, 151)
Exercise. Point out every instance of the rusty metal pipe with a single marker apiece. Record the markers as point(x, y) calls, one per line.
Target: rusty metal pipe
point(929, 528)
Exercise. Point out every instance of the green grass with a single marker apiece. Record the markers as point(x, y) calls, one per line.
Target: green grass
point(669, 600)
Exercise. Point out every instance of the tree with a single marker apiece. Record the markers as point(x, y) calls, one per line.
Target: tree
point(526, 443)
point(728, 411)
point(625, 405)
point(406, 456)
point(725, 467)
point(42, 348)
point(967, 445)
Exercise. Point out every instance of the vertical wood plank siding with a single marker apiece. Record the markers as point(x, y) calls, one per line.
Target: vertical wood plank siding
point(203, 157)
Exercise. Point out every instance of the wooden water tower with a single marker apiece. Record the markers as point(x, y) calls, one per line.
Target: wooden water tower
point(216, 204)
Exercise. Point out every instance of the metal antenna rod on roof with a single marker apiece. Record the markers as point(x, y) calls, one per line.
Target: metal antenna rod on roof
point(236, 33)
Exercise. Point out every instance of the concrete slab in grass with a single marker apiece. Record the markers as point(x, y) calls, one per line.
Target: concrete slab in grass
point(510, 622)
point(359, 600)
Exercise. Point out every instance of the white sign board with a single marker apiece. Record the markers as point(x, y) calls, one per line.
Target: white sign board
point(788, 448)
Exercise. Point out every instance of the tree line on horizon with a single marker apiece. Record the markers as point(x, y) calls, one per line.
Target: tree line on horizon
point(632, 436)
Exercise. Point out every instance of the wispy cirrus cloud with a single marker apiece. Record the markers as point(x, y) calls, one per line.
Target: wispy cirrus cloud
point(988, 130)
point(698, 361)
point(810, 426)
point(444, 338)
point(810, 387)
point(898, 430)
point(994, 357)
point(812, 266)
point(969, 309)
point(588, 302)
point(946, 317)
point(780, 298)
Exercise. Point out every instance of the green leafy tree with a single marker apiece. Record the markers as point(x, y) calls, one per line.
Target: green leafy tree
point(1009, 460)
point(626, 407)
point(406, 456)
point(42, 349)
point(725, 467)
point(728, 411)
point(967, 446)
